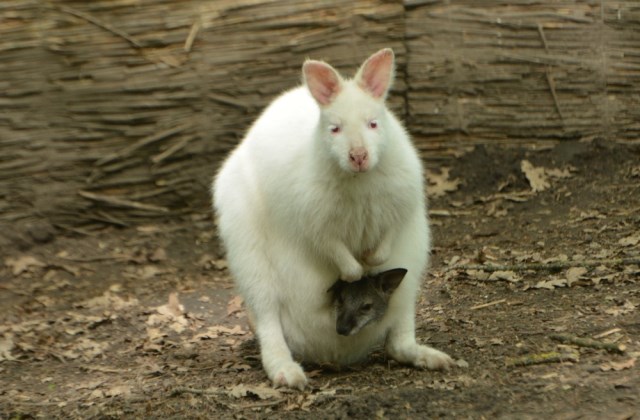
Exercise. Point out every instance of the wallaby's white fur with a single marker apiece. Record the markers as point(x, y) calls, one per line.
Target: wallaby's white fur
point(296, 213)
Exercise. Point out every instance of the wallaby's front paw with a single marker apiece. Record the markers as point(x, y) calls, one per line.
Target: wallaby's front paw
point(427, 357)
point(290, 375)
point(352, 273)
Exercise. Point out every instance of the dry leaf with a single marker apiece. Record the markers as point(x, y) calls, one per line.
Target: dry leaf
point(21, 264)
point(551, 284)
point(149, 271)
point(560, 173)
point(158, 255)
point(261, 391)
point(621, 310)
point(504, 275)
point(632, 240)
point(477, 274)
point(118, 390)
point(440, 184)
point(536, 176)
point(234, 305)
point(6, 345)
point(108, 300)
point(617, 366)
point(155, 334)
point(173, 308)
point(219, 330)
point(574, 274)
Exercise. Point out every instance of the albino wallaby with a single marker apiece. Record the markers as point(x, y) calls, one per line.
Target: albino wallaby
point(326, 184)
point(364, 301)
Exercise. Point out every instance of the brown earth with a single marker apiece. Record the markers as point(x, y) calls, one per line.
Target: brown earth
point(92, 327)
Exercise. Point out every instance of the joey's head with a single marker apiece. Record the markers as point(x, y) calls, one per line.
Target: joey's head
point(359, 303)
point(353, 115)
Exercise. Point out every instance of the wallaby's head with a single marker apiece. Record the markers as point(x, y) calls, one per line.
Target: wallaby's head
point(364, 301)
point(353, 115)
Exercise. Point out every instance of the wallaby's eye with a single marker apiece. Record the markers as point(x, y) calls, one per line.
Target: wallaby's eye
point(366, 307)
point(335, 129)
point(373, 124)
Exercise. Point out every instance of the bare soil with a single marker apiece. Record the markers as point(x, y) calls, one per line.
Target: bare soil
point(144, 323)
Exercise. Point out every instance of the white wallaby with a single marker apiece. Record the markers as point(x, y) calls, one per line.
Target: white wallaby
point(326, 184)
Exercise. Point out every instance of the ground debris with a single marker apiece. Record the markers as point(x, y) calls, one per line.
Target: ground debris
point(587, 342)
point(540, 358)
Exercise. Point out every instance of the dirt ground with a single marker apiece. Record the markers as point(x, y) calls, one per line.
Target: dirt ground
point(144, 323)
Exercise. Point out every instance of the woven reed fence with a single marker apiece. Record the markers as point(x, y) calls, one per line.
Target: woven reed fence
point(118, 111)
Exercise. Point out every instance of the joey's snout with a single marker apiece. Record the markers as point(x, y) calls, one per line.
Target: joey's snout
point(345, 327)
point(359, 159)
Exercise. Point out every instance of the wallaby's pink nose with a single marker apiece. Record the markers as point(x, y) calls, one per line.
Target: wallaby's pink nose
point(359, 158)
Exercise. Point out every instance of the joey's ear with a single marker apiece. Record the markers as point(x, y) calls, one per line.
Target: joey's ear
point(337, 287)
point(322, 80)
point(391, 279)
point(376, 74)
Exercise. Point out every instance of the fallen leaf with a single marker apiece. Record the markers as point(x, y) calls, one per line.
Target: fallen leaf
point(234, 305)
point(621, 310)
point(220, 264)
point(536, 176)
point(551, 284)
point(155, 334)
point(219, 330)
point(574, 274)
point(632, 240)
point(149, 271)
point(118, 390)
point(108, 300)
point(6, 345)
point(158, 255)
point(89, 384)
point(617, 366)
point(560, 173)
point(21, 264)
point(440, 184)
point(173, 308)
point(478, 274)
point(96, 394)
point(261, 391)
point(504, 275)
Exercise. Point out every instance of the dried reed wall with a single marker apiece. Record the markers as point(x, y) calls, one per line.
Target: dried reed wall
point(116, 111)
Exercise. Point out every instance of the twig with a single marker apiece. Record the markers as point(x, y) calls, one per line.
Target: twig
point(543, 38)
point(607, 333)
point(550, 81)
point(552, 87)
point(171, 150)
point(141, 143)
point(587, 342)
point(100, 24)
point(536, 359)
point(261, 404)
point(121, 202)
point(551, 266)
point(486, 305)
point(185, 390)
point(192, 36)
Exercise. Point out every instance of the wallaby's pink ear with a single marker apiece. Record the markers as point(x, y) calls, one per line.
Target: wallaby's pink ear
point(377, 73)
point(391, 279)
point(322, 80)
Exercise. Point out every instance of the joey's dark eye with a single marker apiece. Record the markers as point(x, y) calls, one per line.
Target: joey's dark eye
point(366, 307)
point(335, 129)
point(373, 124)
